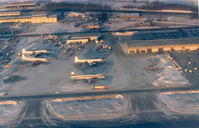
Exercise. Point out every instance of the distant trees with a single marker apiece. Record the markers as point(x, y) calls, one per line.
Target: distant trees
point(74, 6)
point(168, 6)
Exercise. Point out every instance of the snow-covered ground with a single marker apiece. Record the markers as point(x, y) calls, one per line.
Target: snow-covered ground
point(132, 72)
point(179, 102)
point(54, 28)
point(122, 24)
point(9, 112)
point(109, 107)
point(169, 76)
point(54, 77)
point(24, 43)
point(44, 78)
point(124, 33)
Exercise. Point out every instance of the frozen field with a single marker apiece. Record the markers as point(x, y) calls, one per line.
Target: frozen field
point(89, 108)
point(9, 111)
point(179, 102)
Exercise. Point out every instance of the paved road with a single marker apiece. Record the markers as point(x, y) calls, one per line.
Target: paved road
point(94, 93)
point(105, 10)
point(100, 31)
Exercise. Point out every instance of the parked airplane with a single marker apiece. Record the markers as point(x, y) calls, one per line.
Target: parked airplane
point(90, 78)
point(33, 52)
point(24, 58)
point(89, 61)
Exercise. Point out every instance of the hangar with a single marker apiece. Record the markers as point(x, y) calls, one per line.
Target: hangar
point(160, 46)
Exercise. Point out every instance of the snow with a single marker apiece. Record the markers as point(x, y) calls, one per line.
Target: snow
point(179, 102)
point(9, 111)
point(122, 24)
point(131, 71)
point(124, 33)
point(91, 109)
point(58, 70)
point(54, 28)
point(169, 76)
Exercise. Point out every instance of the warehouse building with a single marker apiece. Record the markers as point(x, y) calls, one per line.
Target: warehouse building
point(10, 13)
point(73, 41)
point(19, 5)
point(29, 19)
point(91, 38)
point(160, 46)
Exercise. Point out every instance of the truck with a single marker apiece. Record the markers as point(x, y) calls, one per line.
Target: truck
point(99, 87)
point(91, 27)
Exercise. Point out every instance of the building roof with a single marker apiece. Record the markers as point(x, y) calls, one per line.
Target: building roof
point(22, 17)
point(20, 4)
point(14, 17)
point(83, 37)
point(144, 43)
point(77, 39)
point(9, 12)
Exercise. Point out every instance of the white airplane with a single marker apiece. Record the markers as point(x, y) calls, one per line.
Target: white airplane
point(24, 58)
point(86, 77)
point(89, 61)
point(33, 52)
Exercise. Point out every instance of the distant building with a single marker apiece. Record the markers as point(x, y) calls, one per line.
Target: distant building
point(73, 41)
point(10, 13)
point(159, 46)
point(86, 37)
point(19, 5)
point(93, 27)
point(76, 15)
point(29, 19)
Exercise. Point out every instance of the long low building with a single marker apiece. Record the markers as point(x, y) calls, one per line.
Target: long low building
point(160, 46)
point(10, 13)
point(19, 5)
point(73, 41)
point(28, 19)
point(86, 37)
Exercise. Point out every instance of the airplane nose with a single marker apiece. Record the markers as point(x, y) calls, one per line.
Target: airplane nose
point(72, 73)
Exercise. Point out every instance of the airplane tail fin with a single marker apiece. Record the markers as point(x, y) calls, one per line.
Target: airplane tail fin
point(76, 58)
point(23, 50)
point(23, 57)
point(72, 73)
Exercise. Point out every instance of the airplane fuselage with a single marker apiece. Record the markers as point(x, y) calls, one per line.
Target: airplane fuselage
point(87, 77)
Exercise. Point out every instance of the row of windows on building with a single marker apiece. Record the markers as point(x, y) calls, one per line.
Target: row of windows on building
point(160, 50)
